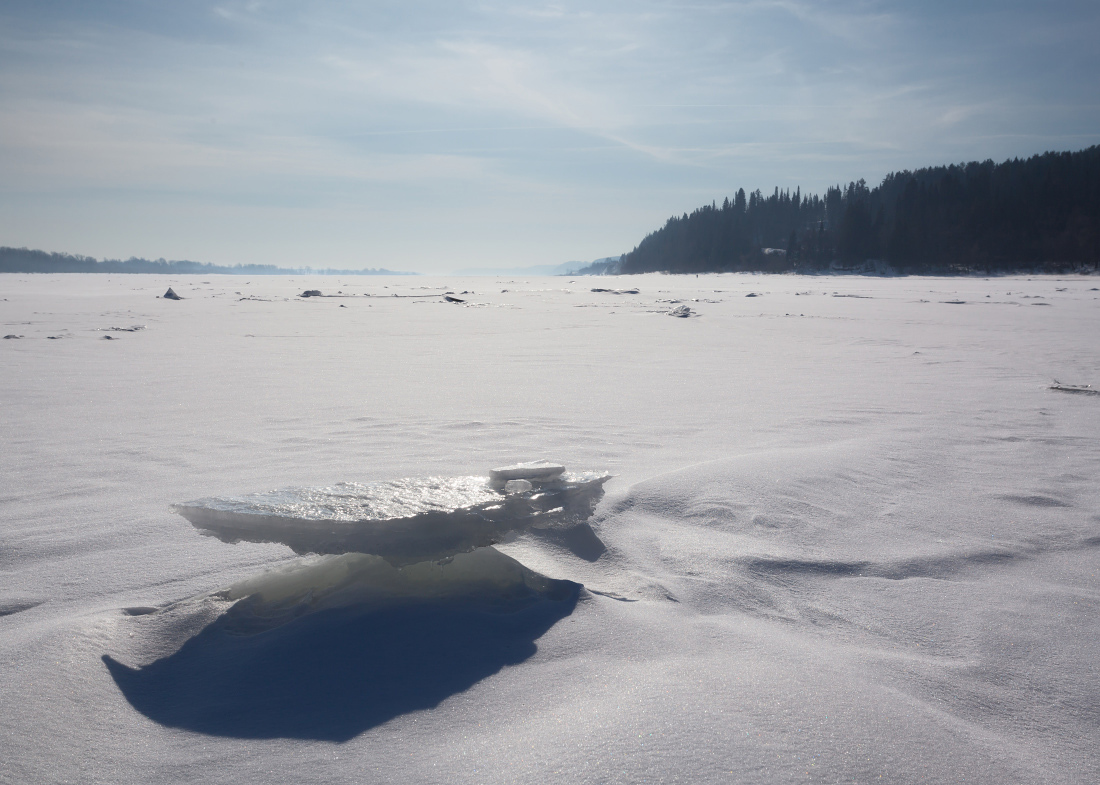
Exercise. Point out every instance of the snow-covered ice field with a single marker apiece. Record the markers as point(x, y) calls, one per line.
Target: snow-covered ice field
point(852, 535)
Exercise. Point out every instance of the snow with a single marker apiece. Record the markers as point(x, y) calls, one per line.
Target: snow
point(851, 533)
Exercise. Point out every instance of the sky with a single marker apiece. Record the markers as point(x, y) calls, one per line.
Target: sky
point(435, 136)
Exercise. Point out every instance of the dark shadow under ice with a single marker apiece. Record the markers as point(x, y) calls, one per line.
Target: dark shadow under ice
point(334, 674)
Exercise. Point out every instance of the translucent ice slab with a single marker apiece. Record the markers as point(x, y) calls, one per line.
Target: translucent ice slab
point(403, 521)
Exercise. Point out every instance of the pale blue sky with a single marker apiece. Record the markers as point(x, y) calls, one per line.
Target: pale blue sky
point(434, 136)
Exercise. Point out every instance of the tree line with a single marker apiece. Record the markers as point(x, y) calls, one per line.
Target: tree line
point(25, 260)
point(1037, 214)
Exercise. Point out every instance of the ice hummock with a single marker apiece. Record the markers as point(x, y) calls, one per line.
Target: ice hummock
point(404, 521)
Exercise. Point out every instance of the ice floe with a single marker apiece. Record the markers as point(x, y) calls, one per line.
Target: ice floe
point(404, 521)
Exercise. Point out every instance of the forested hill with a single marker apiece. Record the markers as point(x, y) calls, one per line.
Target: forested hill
point(1033, 214)
point(24, 260)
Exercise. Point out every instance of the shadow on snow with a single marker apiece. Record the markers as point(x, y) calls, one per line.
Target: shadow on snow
point(334, 674)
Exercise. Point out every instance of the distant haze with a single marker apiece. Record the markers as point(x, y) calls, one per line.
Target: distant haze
point(444, 136)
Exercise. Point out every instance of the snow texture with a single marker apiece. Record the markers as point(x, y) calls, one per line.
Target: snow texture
point(852, 532)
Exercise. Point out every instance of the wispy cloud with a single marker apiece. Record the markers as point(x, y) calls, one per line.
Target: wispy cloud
point(561, 108)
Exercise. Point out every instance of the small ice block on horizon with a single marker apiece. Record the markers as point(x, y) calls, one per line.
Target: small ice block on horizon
point(535, 471)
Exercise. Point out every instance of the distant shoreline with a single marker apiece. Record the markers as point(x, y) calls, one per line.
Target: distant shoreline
point(27, 260)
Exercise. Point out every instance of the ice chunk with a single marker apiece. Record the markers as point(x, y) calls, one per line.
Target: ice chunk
point(403, 521)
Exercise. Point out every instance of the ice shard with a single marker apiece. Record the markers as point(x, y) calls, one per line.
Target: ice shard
point(405, 521)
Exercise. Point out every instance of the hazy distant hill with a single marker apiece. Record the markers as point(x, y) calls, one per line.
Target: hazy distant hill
point(608, 265)
point(24, 260)
point(568, 268)
point(537, 269)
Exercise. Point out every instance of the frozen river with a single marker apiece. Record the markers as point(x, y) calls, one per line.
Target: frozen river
point(852, 532)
